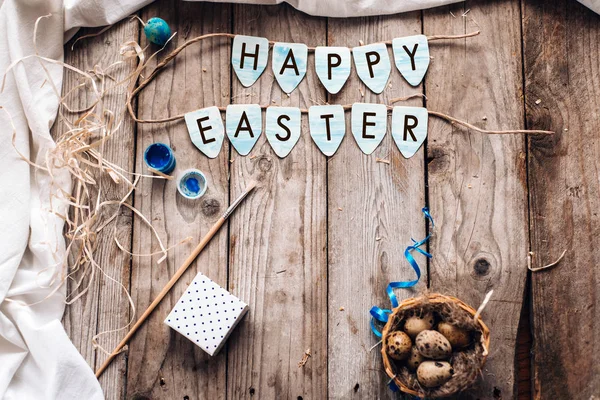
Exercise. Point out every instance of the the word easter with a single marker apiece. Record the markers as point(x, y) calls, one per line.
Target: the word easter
point(332, 64)
point(327, 124)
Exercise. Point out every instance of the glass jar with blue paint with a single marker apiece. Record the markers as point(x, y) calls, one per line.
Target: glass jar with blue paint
point(160, 157)
point(192, 184)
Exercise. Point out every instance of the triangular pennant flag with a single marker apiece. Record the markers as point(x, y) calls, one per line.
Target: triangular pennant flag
point(409, 128)
point(249, 56)
point(289, 64)
point(369, 123)
point(205, 127)
point(332, 65)
point(244, 126)
point(411, 55)
point(282, 128)
point(373, 65)
point(327, 127)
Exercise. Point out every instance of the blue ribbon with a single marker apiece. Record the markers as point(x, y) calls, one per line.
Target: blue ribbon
point(382, 315)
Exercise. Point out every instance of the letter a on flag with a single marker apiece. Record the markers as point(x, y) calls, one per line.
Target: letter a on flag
point(243, 123)
point(289, 64)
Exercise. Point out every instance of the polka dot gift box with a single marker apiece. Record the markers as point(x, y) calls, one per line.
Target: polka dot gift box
point(206, 314)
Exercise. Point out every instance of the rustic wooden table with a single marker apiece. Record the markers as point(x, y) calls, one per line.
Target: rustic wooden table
point(315, 246)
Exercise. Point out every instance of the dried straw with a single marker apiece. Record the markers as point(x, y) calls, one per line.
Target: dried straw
point(79, 150)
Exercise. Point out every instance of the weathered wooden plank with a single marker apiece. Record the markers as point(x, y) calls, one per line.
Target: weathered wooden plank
point(562, 81)
point(374, 210)
point(477, 182)
point(278, 260)
point(162, 363)
point(105, 306)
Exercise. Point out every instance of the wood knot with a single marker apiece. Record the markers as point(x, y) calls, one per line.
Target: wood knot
point(140, 396)
point(481, 266)
point(497, 393)
point(210, 207)
point(438, 160)
point(265, 164)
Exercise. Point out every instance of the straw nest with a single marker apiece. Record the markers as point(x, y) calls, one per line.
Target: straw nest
point(466, 363)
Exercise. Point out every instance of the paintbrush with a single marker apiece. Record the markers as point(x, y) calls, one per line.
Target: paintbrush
point(188, 261)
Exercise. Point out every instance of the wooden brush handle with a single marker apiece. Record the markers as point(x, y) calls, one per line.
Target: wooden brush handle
point(188, 261)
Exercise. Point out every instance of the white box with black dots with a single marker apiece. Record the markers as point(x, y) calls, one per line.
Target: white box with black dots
point(206, 314)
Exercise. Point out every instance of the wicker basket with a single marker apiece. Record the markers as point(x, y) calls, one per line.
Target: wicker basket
point(469, 362)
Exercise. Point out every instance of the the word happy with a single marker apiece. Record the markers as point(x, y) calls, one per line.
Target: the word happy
point(332, 64)
point(327, 124)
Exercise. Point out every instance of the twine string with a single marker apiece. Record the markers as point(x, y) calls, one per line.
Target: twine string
point(161, 65)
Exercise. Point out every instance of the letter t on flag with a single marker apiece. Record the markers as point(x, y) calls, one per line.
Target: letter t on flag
point(249, 56)
point(327, 127)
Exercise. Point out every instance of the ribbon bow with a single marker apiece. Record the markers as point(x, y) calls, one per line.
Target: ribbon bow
point(381, 315)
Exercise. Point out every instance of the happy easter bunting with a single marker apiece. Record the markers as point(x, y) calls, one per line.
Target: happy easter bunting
point(409, 128)
point(243, 123)
point(289, 64)
point(411, 55)
point(249, 57)
point(282, 129)
point(369, 123)
point(373, 65)
point(327, 127)
point(205, 127)
point(332, 65)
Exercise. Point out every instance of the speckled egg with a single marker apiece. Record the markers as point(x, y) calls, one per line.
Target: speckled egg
point(434, 345)
point(434, 373)
point(157, 31)
point(414, 359)
point(398, 345)
point(457, 337)
point(418, 323)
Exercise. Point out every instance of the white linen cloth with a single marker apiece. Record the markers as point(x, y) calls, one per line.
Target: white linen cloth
point(354, 8)
point(37, 359)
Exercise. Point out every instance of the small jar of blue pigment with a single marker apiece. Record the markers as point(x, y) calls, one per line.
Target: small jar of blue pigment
point(192, 184)
point(160, 157)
